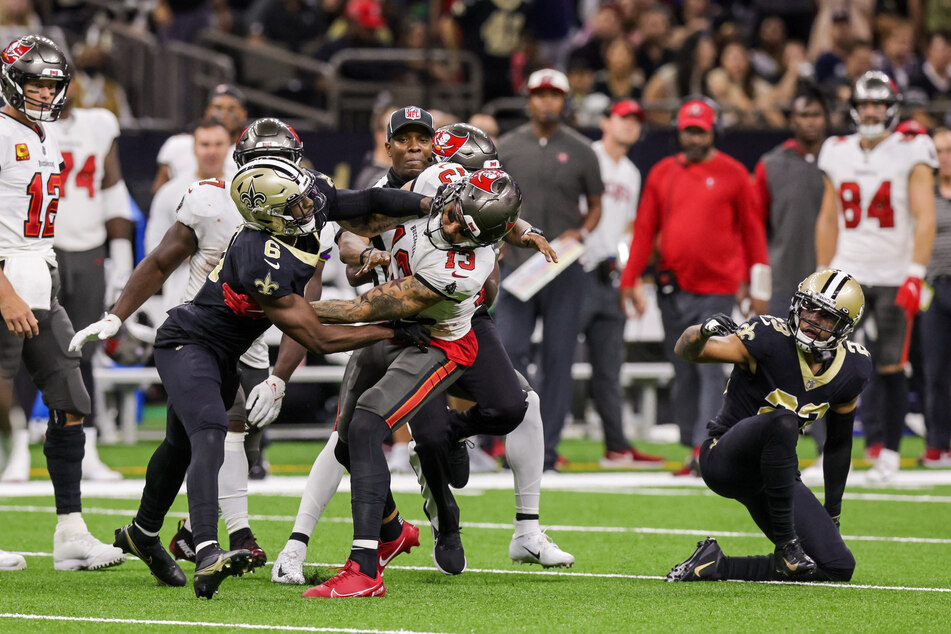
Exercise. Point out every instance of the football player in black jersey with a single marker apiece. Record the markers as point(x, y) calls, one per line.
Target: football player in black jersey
point(787, 373)
point(271, 259)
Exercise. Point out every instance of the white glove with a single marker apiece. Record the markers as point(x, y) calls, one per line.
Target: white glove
point(264, 402)
point(102, 329)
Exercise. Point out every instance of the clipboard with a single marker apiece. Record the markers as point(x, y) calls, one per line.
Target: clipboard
point(535, 273)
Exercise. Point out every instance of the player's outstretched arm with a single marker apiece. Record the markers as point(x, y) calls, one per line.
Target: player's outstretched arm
point(837, 456)
point(525, 236)
point(370, 212)
point(713, 341)
point(401, 298)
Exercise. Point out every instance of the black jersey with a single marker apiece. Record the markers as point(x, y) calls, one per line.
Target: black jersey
point(254, 261)
point(784, 379)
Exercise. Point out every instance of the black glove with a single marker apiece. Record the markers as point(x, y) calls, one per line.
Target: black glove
point(411, 333)
point(719, 325)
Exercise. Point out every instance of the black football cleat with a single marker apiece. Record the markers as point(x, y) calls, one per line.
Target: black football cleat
point(792, 562)
point(246, 541)
point(160, 563)
point(218, 564)
point(448, 554)
point(458, 463)
point(182, 545)
point(702, 565)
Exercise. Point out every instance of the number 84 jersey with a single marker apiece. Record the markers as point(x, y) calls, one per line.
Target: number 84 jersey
point(783, 378)
point(876, 229)
point(30, 186)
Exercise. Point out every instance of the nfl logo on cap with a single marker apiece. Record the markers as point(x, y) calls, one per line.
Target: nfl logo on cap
point(412, 113)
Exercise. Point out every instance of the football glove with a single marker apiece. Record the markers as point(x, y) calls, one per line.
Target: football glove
point(909, 296)
point(241, 304)
point(719, 325)
point(106, 327)
point(410, 333)
point(264, 402)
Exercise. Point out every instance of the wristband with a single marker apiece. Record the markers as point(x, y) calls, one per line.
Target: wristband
point(534, 230)
point(917, 270)
point(365, 252)
point(761, 282)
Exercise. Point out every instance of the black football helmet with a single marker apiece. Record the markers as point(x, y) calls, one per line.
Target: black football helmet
point(466, 145)
point(489, 202)
point(34, 57)
point(268, 137)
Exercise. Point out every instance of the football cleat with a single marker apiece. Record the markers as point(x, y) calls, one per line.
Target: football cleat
point(83, 552)
point(448, 554)
point(702, 565)
point(872, 451)
point(160, 563)
point(934, 458)
point(182, 545)
point(214, 567)
point(632, 458)
point(11, 561)
point(386, 551)
point(289, 567)
point(885, 468)
point(247, 542)
point(538, 548)
point(458, 463)
point(348, 583)
point(792, 562)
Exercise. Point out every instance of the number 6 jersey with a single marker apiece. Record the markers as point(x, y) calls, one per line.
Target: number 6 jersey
point(30, 166)
point(784, 379)
point(876, 229)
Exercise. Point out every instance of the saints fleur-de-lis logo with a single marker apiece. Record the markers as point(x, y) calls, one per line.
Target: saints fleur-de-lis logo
point(266, 286)
point(251, 198)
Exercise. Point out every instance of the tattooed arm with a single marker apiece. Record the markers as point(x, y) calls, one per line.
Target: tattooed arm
point(694, 346)
point(397, 299)
point(354, 207)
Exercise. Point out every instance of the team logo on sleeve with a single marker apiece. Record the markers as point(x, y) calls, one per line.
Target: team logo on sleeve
point(483, 179)
point(251, 198)
point(446, 143)
point(22, 152)
point(266, 286)
point(15, 51)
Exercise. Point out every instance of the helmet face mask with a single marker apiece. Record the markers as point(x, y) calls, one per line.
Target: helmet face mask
point(487, 204)
point(34, 58)
point(825, 310)
point(266, 190)
point(466, 145)
point(268, 137)
point(876, 87)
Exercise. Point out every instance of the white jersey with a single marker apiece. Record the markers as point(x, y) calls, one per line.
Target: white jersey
point(85, 138)
point(30, 186)
point(178, 155)
point(622, 188)
point(876, 229)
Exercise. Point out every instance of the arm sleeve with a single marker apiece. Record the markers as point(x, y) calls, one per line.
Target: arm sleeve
point(395, 203)
point(646, 225)
point(836, 459)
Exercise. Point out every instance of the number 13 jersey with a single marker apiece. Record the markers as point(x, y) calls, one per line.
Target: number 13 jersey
point(30, 166)
point(876, 229)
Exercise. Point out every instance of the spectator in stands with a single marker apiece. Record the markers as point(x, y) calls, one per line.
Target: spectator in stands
point(699, 203)
point(602, 318)
point(797, 16)
point(897, 59)
point(294, 24)
point(746, 99)
point(180, 20)
point(857, 62)
point(695, 16)
point(586, 107)
point(177, 156)
point(554, 166)
point(95, 86)
point(653, 32)
point(935, 77)
point(415, 37)
point(831, 63)
point(935, 322)
point(860, 14)
point(366, 29)
point(621, 78)
point(552, 24)
point(767, 56)
point(603, 27)
point(377, 161)
point(684, 76)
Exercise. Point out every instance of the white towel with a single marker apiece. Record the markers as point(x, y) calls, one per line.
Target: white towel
point(30, 277)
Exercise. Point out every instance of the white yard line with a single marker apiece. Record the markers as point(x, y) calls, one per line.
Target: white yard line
point(236, 626)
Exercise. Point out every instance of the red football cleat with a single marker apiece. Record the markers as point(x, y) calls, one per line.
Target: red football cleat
point(349, 582)
point(386, 551)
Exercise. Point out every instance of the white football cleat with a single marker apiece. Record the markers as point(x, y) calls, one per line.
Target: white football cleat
point(885, 468)
point(83, 552)
point(398, 460)
point(538, 548)
point(289, 567)
point(11, 561)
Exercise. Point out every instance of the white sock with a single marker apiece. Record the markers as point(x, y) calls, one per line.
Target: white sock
point(91, 455)
point(526, 527)
point(233, 483)
point(71, 524)
point(525, 452)
point(322, 483)
point(145, 532)
point(204, 545)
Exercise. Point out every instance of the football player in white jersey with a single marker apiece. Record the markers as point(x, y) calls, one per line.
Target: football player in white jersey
point(877, 223)
point(34, 79)
point(93, 209)
point(205, 221)
point(439, 266)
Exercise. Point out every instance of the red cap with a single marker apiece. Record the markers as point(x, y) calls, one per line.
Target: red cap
point(366, 13)
point(627, 107)
point(696, 114)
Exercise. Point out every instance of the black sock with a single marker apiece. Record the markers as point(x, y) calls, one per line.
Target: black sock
point(895, 406)
point(163, 479)
point(64, 449)
point(521, 517)
point(391, 530)
point(778, 465)
point(141, 538)
point(302, 538)
point(241, 533)
point(206, 551)
point(758, 568)
point(369, 474)
point(366, 558)
point(208, 452)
